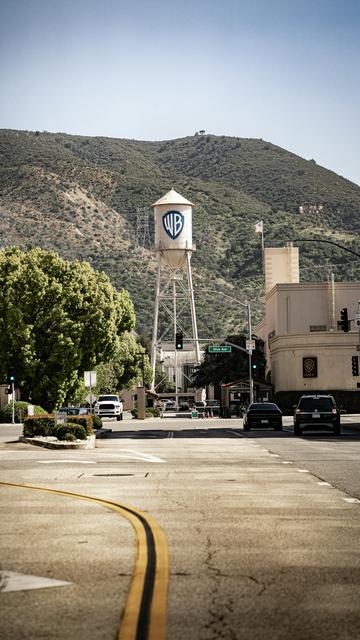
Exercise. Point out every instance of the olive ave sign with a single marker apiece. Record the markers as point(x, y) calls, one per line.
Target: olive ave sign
point(219, 348)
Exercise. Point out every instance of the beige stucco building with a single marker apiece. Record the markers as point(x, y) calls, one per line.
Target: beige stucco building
point(306, 349)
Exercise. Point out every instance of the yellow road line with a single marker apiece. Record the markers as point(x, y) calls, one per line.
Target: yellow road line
point(144, 616)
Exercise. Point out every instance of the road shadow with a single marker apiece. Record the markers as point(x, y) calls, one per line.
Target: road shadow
point(162, 434)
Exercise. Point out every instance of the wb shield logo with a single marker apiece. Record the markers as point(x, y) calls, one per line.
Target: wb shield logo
point(173, 222)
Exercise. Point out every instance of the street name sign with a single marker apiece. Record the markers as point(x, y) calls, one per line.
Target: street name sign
point(219, 348)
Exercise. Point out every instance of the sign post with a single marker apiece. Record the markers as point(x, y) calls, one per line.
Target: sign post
point(90, 381)
point(12, 380)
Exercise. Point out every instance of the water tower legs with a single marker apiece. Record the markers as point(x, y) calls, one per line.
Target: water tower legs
point(164, 279)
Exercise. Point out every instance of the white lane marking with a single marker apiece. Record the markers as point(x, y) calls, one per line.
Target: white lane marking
point(303, 470)
point(274, 455)
point(130, 453)
point(287, 462)
point(12, 581)
point(351, 500)
point(324, 484)
point(67, 462)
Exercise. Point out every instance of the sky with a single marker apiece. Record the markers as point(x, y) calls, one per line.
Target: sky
point(286, 71)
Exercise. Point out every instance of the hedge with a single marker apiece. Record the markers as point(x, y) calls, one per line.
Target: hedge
point(70, 431)
point(86, 421)
point(44, 425)
point(40, 425)
point(20, 411)
point(150, 412)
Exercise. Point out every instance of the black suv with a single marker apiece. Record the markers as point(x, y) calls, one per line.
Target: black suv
point(313, 412)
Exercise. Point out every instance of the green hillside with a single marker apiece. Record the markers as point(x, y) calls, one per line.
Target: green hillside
point(79, 196)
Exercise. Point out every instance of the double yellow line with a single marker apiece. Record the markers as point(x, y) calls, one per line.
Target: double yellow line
point(144, 616)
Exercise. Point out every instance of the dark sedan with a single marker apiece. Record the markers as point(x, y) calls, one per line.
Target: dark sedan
point(263, 415)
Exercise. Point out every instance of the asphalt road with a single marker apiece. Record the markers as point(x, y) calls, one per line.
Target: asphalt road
point(262, 530)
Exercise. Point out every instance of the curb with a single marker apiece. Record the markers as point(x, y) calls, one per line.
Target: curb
point(53, 443)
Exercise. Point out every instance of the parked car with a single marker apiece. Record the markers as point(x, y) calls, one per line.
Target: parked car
point(317, 412)
point(259, 415)
point(74, 411)
point(168, 405)
point(199, 406)
point(184, 406)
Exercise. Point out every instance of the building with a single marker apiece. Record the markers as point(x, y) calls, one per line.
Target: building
point(306, 349)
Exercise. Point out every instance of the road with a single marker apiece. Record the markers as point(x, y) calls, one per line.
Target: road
point(262, 531)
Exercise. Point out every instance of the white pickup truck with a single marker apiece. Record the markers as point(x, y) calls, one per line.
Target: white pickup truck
point(109, 406)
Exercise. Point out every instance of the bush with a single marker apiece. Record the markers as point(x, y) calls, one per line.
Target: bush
point(71, 431)
point(39, 425)
point(151, 412)
point(97, 422)
point(20, 411)
point(85, 421)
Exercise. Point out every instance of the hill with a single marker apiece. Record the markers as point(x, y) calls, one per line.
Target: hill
point(79, 196)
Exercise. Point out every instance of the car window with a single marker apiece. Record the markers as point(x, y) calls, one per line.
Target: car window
point(263, 406)
point(319, 404)
point(107, 398)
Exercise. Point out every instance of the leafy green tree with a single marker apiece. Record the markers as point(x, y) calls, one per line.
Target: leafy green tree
point(125, 368)
point(58, 319)
point(218, 368)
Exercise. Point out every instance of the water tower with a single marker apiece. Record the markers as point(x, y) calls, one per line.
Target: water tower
point(174, 246)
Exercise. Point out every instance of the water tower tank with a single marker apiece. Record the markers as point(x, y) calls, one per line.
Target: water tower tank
point(173, 228)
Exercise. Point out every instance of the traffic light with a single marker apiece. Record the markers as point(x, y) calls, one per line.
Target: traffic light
point(355, 365)
point(344, 320)
point(179, 340)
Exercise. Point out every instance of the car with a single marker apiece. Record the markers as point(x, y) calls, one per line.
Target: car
point(74, 411)
point(259, 415)
point(316, 412)
point(168, 405)
point(109, 406)
point(184, 406)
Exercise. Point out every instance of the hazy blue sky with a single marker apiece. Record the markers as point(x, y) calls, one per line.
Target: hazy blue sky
point(286, 71)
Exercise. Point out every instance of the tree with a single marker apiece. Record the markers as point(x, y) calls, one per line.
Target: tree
point(58, 319)
point(125, 368)
point(218, 368)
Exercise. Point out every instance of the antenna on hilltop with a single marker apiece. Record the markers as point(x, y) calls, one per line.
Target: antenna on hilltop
point(142, 228)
